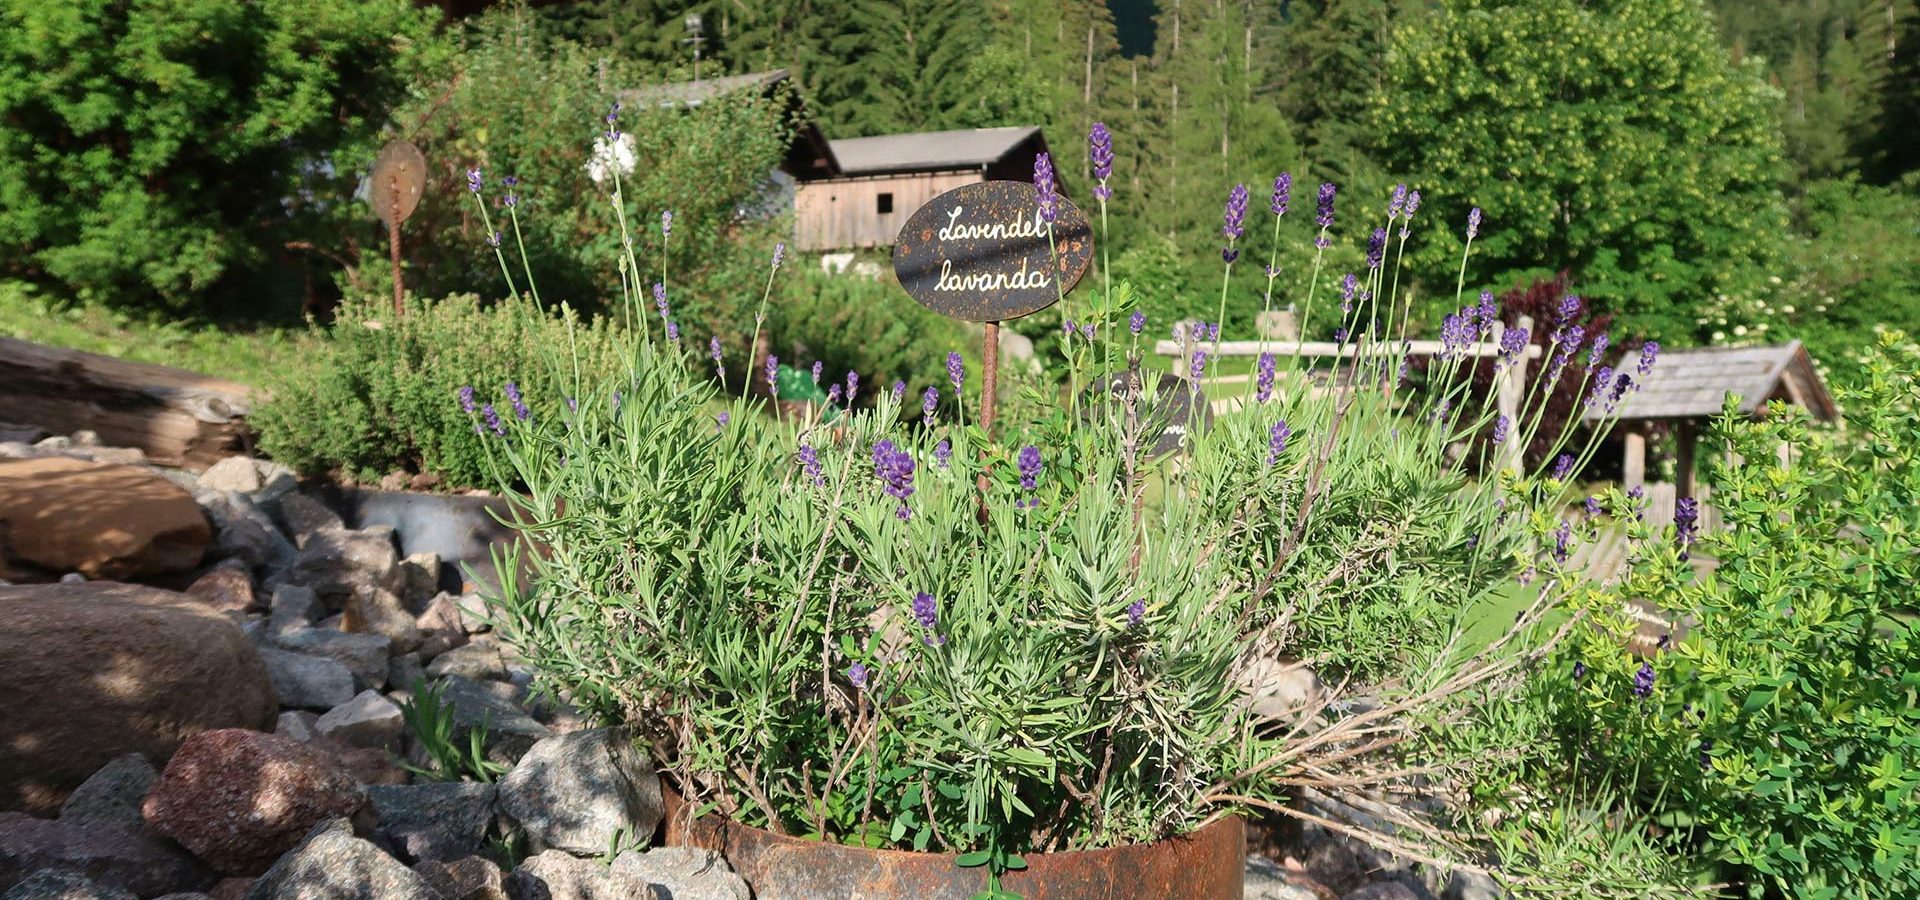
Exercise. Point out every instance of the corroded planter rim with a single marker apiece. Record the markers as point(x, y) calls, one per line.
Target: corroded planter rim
point(1208, 864)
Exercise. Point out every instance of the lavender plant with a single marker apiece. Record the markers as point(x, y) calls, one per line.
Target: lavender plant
point(889, 627)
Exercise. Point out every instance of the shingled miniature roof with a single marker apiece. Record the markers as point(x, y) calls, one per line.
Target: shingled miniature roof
point(1688, 384)
point(929, 150)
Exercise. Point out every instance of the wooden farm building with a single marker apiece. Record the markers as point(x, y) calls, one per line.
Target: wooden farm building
point(857, 192)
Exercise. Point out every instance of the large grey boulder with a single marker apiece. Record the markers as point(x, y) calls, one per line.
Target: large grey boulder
point(332, 864)
point(303, 516)
point(368, 720)
point(244, 531)
point(307, 682)
point(336, 562)
point(581, 792)
point(101, 835)
point(687, 873)
point(374, 610)
point(62, 884)
point(440, 821)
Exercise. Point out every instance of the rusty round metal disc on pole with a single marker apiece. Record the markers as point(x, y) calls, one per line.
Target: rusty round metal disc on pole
point(980, 252)
point(399, 178)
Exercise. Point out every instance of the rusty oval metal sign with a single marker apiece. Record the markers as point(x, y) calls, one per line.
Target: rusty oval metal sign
point(399, 175)
point(980, 252)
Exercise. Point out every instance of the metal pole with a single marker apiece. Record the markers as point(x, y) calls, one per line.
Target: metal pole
point(989, 377)
point(393, 246)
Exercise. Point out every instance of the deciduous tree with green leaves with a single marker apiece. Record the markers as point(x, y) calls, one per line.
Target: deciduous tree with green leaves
point(1611, 137)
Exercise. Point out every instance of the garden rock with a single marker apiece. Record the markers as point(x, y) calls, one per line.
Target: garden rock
point(368, 720)
point(441, 626)
point(293, 607)
point(113, 853)
point(481, 660)
point(242, 531)
point(235, 473)
point(364, 655)
point(419, 579)
point(297, 725)
point(239, 799)
point(1278, 689)
point(62, 884)
point(104, 521)
point(93, 671)
point(509, 733)
point(404, 671)
point(473, 878)
point(336, 562)
point(113, 794)
point(1382, 890)
point(332, 864)
point(686, 873)
point(224, 588)
point(1471, 886)
point(436, 821)
point(580, 792)
point(373, 610)
point(307, 682)
point(1267, 881)
point(554, 875)
point(302, 517)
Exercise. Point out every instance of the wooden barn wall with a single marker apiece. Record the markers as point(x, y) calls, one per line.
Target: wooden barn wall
point(843, 214)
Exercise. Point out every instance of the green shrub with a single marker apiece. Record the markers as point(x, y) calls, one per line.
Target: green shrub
point(1779, 730)
point(864, 325)
point(370, 395)
point(155, 151)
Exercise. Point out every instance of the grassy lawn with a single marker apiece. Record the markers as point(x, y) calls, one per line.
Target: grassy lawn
point(244, 356)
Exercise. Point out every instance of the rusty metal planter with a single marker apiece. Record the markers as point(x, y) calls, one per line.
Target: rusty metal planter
point(1206, 865)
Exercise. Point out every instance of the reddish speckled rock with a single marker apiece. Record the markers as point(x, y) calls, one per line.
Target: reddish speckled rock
point(239, 799)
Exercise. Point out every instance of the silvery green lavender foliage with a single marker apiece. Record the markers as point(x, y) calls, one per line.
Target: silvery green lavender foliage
point(858, 626)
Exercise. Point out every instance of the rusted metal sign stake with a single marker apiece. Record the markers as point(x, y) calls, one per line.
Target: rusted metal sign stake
point(989, 377)
point(399, 175)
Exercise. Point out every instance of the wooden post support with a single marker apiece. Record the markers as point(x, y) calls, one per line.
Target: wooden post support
point(393, 248)
point(1685, 437)
point(1634, 466)
point(989, 377)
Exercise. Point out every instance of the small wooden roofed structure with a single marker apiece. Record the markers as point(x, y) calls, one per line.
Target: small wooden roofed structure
point(1687, 387)
point(877, 183)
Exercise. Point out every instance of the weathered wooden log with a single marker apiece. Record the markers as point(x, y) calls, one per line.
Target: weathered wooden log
point(178, 417)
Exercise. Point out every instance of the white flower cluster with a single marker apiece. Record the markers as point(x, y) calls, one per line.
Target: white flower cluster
point(610, 154)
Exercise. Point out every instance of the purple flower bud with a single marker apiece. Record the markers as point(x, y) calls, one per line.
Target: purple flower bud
point(613, 119)
point(1649, 352)
point(773, 375)
point(1413, 206)
point(492, 419)
point(1602, 379)
point(1029, 460)
point(1398, 200)
point(943, 452)
point(474, 182)
point(720, 421)
point(858, 674)
point(926, 611)
point(899, 390)
point(928, 403)
point(1487, 312)
point(1473, 223)
point(660, 298)
point(1579, 670)
point(1562, 537)
point(1512, 343)
point(1686, 523)
point(1067, 328)
point(779, 253)
point(1643, 681)
point(466, 399)
point(1136, 611)
point(818, 367)
point(1568, 310)
point(1325, 213)
point(1046, 193)
point(1347, 286)
point(673, 332)
point(1376, 248)
point(713, 349)
point(1100, 151)
point(956, 370)
point(1087, 331)
point(1263, 380)
point(1236, 213)
point(1277, 441)
point(1500, 428)
point(853, 386)
point(1198, 366)
point(493, 240)
point(1136, 321)
point(810, 465)
point(1593, 506)
point(1282, 194)
point(520, 410)
point(833, 395)
point(1563, 467)
point(1598, 350)
point(666, 223)
point(894, 467)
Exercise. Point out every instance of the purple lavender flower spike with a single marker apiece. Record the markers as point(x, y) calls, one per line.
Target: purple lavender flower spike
point(1500, 428)
point(1563, 467)
point(926, 611)
point(833, 395)
point(943, 452)
point(1087, 331)
point(1277, 441)
point(1579, 670)
point(1620, 384)
point(1592, 506)
point(1686, 524)
point(1649, 352)
point(1136, 611)
point(779, 254)
point(474, 182)
point(1487, 312)
point(857, 675)
point(1067, 328)
point(1473, 223)
point(493, 419)
point(1339, 335)
point(660, 298)
point(1213, 331)
point(1568, 310)
point(894, 467)
point(1235, 216)
point(1562, 537)
point(1324, 216)
point(810, 465)
point(899, 390)
point(1046, 193)
point(673, 332)
point(1198, 366)
point(1602, 380)
point(493, 240)
point(1029, 460)
point(520, 410)
point(1137, 321)
point(956, 371)
point(1376, 248)
point(666, 223)
point(720, 421)
point(853, 386)
point(773, 375)
point(1643, 681)
point(1598, 350)
point(1413, 206)
point(1398, 200)
point(928, 403)
point(1347, 286)
point(713, 348)
point(1282, 194)
point(613, 120)
point(1100, 153)
point(1512, 343)
point(818, 368)
point(466, 399)
point(1263, 381)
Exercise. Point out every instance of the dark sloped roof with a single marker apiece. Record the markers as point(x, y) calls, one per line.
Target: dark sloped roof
point(1687, 384)
point(929, 149)
point(694, 93)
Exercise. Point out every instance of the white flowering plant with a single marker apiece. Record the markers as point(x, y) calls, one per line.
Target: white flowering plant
point(874, 622)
